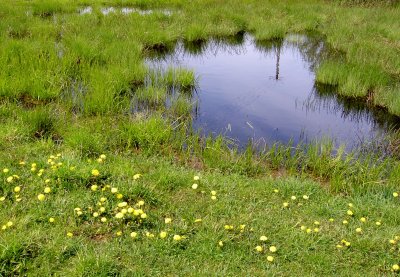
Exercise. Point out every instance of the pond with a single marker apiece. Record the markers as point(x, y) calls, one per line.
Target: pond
point(266, 92)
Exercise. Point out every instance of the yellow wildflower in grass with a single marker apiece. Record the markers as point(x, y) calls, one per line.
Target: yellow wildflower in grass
point(124, 211)
point(197, 220)
point(395, 194)
point(94, 187)
point(102, 156)
point(114, 190)
point(195, 186)
point(122, 204)
point(119, 233)
point(119, 196)
point(305, 197)
point(10, 179)
point(41, 197)
point(70, 235)
point(6, 170)
point(17, 189)
point(263, 238)
point(177, 237)
point(149, 235)
point(134, 235)
point(95, 172)
point(196, 178)
point(51, 219)
point(79, 213)
point(293, 197)
point(95, 214)
point(345, 222)
point(2, 198)
point(143, 216)
point(259, 248)
point(47, 181)
point(396, 267)
point(119, 215)
point(302, 227)
point(213, 197)
point(273, 249)
point(242, 226)
point(316, 230)
point(276, 190)
point(3, 227)
point(316, 223)
point(47, 190)
point(140, 203)
point(99, 160)
point(363, 219)
point(103, 199)
point(163, 234)
point(213, 192)
point(350, 205)
point(136, 212)
point(167, 220)
point(308, 230)
point(22, 163)
point(285, 204)
point(350, 212)
point(392, 241)
point(131, 210)
point(103, 219)
point(9, 224)
point(378, 223)
point(331, 220)
point(136, 176)
point(220, 243)
point(270, 259)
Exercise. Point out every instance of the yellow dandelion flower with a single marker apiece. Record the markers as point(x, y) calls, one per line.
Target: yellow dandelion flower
point(79, 213)
point(70, 235)
point(197, 220)
point(273, 249)
point(392, 241)
point(10, 179)
point(177, 237)
point(95, 172)
point(41, 197)
point(220, 243)
point(167, 220)
point(122, 204)
point(143, 216)
point(276, 190)
point(163, 234)
point(350, 212)
point(339, 246)
point(396, 267)
point(345, 222)
point(102, 156)
point(213, 192)
point(316, 230)
point(395, 194)
point(134, 235)
point(94, 187)
point(119, 215)
point(331, 220)
point(136, 176)
point(378, 223)
point(103, 199)
point(350, 205)
point(308, 230)
point(259, 248)
point(119, 233)
point(47, 190)
point(270, 259)
point(263, 238)
point(293, 197)
point(306, 197)
point(316, 223)
point(140, 203)
point(6, 170)
point(103, 219)
point(3, 227)
point(51, 219)
point(2, 198)
point(95, 214)
point(131, 210)
point(213, 197)
point(302, 227)
point(124, 211)
point(196, 178)
point(17, 189)
point(285, 204)
point(119, 196)
point(195, 186)
point(114, 190)
point(363, 219)
point(9, 224)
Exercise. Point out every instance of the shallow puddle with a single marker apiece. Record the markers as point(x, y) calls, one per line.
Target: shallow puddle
point(267, 92)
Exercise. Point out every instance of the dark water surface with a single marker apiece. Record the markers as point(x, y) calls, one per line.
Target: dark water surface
point(266, 92)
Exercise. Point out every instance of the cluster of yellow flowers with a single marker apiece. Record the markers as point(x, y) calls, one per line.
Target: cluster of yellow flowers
point(8, 225)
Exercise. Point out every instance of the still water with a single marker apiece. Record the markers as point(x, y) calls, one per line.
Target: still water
point(266, 92)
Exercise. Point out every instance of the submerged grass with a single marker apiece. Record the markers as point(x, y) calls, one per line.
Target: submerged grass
point(72, 134)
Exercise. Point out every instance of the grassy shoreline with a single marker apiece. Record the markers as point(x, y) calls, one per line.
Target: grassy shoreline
point(71, 134)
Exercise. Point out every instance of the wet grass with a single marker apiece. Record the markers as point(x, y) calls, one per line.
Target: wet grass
point(71, 84)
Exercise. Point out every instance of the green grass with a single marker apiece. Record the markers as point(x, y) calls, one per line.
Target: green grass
point(80, 86)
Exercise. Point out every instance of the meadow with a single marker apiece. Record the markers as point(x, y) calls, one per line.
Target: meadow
point(100, 177)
